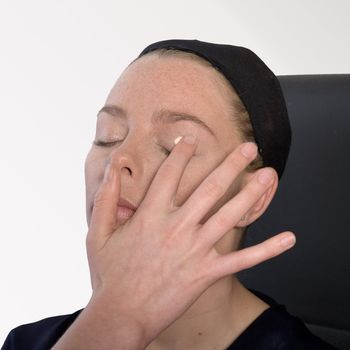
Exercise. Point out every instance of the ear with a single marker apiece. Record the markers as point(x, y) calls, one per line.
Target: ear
point(264, 201)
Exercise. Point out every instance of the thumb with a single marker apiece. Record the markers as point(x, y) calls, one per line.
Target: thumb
point(104, 212)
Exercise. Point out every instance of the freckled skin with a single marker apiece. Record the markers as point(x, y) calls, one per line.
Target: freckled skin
point(144, 87)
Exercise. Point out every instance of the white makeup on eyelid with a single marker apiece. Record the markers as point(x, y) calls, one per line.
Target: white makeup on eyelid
point(176, 141)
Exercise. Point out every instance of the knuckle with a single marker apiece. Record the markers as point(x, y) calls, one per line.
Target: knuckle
point(241, 264)
point(238, 262)
point(167, 170)
point(237, 160)
point(275, 250)
point(269, 250)
point(100, 199)
point(222, 221)
point(213, 189)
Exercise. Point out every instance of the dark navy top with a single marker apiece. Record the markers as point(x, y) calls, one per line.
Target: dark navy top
point(274, 329)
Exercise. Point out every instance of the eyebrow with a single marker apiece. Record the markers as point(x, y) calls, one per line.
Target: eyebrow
point(162, 116)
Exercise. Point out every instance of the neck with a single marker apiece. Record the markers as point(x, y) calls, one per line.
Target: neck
point(215, 320)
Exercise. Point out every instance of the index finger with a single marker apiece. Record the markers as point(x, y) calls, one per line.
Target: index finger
point(169, 175)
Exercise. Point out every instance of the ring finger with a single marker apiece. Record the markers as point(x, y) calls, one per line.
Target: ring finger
point(231, 213)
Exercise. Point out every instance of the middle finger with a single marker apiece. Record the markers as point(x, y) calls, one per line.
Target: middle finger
point(217, 182)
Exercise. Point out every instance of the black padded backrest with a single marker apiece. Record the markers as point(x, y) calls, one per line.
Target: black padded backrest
point(313, 279)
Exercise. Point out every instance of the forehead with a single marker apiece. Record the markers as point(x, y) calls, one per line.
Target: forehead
point(172, 82)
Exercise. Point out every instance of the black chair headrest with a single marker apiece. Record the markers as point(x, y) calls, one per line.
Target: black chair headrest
point(313, 200)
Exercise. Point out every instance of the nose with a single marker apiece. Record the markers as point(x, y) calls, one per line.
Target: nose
point(124, 161)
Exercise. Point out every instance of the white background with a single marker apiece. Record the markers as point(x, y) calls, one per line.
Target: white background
point(58, 60)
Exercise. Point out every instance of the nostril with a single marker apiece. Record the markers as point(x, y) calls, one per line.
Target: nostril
point(128, 169)
point(123, 161)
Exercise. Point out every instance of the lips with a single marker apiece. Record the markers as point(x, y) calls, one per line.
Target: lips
point(126, 204)
point(125, 209)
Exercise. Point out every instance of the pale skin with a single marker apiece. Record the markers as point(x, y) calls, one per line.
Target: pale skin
point(164, 278)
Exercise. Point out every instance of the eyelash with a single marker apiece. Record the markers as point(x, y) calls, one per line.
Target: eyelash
point(110, 144)
point(165, 151)
point(105, 144)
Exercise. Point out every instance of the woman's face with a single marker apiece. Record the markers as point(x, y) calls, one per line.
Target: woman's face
point(143, 110)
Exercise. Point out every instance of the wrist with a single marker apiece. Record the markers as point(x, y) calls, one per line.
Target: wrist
point(102, 327)
point(118, 326)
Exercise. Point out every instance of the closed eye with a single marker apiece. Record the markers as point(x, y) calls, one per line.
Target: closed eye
point(110, 144)
point(106, 144)
point(164, 150)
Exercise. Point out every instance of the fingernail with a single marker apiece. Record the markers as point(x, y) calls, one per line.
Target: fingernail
point(190, 139)
point(248, 149)
point(265, 176)
point(288, 241)
point(177, 140)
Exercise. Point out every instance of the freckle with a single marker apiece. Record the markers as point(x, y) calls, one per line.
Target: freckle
point(177, 139)
point(200, 333)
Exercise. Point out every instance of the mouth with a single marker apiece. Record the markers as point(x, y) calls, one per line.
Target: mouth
point(126, 204)
point(125, 209)
point(124, 213)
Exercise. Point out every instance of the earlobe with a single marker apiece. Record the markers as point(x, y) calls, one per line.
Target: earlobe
point(258, 209)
